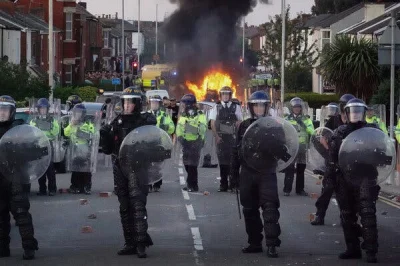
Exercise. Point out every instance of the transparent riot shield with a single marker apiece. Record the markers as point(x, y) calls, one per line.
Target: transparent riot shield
point(327, 111)
point(318, 150)
point(83, 143)
point(270, 143)
point(367, 153)
point(225, 126)
point(143, 153)
point(287, 108)
point(25, 154)
point(376, 114)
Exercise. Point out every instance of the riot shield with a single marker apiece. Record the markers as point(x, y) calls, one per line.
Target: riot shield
point(144, 150)
point(83, 135)
point(327, 111)
point(367, 153)
point(270, 142)
point(25, 154)
point(287, 108)
point(318, 149)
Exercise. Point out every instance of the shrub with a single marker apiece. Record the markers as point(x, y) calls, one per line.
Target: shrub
point(87, 93)
point(314, 100)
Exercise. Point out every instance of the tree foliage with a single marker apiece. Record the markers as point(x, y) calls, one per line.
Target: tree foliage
point(301, 53)
point(351, 65)
point(17, 82)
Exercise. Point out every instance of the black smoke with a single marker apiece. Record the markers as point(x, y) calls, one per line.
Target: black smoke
point(203, 33)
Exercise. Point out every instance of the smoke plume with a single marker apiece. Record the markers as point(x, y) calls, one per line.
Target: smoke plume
point(203, 33)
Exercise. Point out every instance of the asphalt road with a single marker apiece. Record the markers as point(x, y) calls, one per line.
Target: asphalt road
point(188, 228)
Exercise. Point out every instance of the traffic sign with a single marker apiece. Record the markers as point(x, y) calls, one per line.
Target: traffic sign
point(116, 81)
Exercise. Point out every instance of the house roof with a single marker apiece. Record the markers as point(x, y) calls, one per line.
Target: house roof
point(376, 22)
point(22, 21)
point(251, 32)
point(316, 21)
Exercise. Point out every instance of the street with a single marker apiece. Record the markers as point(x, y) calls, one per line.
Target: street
point(188, 228)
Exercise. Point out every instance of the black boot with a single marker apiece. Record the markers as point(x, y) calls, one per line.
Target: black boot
point(222, 189)
point(271, 252)
point(141, 251)
point(4, 252)
point(127, 250)
point(252, 249)
point(352, 252)
point(29, 254)
point(318, 220)
point(371, 257)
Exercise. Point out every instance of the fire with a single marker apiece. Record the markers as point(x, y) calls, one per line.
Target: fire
point(214, 81)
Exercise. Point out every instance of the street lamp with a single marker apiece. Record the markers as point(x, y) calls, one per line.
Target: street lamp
point(283, 3)
point(123, 45)
point(51, 51)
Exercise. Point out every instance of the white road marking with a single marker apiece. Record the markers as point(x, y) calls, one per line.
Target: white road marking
point(185, 195)
point(180, 162)
point(182, 180)
point(198, 243)
point(190, 210)
point(180, 169)
point(334, 201)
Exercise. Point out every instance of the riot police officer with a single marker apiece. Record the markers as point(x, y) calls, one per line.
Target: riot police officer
point(72, 101)
point(355, 200)
point(257, 190)
point(13, 198)
point(190, 131)
point(225, 118)
point(329, 181)
point(132, 195)
point(51, 128)
point(371, 118)
point(79, 126)
point(305, 129)
point(164, 122)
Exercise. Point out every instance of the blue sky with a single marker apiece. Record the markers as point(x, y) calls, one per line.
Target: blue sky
point(148, 9)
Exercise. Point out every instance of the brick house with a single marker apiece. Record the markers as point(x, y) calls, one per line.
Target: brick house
point(81, 38)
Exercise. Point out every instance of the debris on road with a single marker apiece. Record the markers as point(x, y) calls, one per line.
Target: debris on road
point(87, 229)
point(92, 216)
point(83, 201)
point(105, 194)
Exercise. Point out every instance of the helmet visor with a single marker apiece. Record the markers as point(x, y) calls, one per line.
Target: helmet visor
point(355, 113)
point(5, 112)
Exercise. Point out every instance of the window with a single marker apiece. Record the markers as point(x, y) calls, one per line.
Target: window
point(68, 26)
point(106, 34)
point(326, 34)
point(68, 74)
point(326, 38)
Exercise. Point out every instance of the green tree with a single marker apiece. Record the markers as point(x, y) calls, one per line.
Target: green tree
point(17, 82)
point(351, 65)
point(301, 53)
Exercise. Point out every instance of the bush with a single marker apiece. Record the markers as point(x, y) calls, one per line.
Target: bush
point(314, 100)
point(298, 79)
point(87, 93)
point(17, 82)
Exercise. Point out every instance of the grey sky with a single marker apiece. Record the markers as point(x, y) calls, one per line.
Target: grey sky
point(148, 8)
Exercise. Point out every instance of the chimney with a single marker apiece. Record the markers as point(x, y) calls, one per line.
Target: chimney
point(116, 15)
point(83, 4)
point(103, 15)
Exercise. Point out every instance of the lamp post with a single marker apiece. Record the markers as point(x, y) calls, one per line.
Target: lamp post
point(123, 45)
point(51, 51)
point(283, 49)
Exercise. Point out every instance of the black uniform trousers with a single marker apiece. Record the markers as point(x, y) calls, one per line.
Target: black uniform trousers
point(80, 180)
point(260, 191)
point(328, 188)
point(132, 197)
point(359, 201)
point(15, 201)
point(51, 177)
point(289, 177)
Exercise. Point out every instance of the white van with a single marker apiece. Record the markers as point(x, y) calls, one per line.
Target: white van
point(161, 93)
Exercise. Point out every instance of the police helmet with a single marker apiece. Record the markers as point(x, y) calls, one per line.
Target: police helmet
point(258, 97)
point(344, 99)
point(79, 108)
point(355, 110)
point(333, 109)
point(224, 90)
point(7, 103)
point(133, 94)
point(72, 101)
point(43, 103)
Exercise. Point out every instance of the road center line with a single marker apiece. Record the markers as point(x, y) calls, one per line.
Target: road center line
point(182, 180)
point(190, 210)
point(185, 195)
point(198, 242)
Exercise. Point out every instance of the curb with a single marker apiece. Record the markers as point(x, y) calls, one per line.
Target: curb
point(385, 197)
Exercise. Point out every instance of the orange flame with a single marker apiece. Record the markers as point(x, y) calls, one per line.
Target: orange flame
point(214, 81)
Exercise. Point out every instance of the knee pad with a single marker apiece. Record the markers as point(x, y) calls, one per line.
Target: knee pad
point(272, 230)
point(270, 213)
